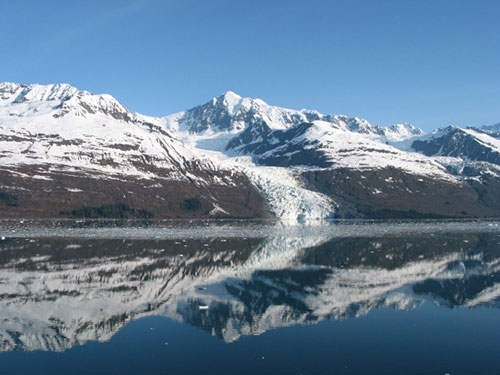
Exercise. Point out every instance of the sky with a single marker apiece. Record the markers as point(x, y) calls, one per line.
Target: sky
point(432, 63)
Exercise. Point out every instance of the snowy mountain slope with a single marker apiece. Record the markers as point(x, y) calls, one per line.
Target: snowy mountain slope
point(61, 126)
point(232, 113)
point(312, 144)
point(232, 157)
point(236, 125)
point(321, 145)
point(57, 294)
point(469, 152)
point(71, 140)
point(278, 136)
point(469, 144)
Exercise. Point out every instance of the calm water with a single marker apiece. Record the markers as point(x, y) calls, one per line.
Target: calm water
point(348, 297)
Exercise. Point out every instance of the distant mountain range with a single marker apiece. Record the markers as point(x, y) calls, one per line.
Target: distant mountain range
point(69, 153)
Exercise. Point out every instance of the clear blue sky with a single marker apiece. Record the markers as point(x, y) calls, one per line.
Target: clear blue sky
point(428, 62)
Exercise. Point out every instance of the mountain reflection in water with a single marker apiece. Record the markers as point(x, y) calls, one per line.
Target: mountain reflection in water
point(61, 292)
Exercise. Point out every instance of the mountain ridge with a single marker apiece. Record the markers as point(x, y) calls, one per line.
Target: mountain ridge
point(243, 145)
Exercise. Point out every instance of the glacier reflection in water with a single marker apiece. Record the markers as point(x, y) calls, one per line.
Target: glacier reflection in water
point(63, 291)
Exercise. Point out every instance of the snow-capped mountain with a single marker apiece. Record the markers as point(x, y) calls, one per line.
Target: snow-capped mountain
point(249, 126)
point(362, 169)
point(321, 144)
point(62, 98)
point(71, 141)
point(230, 112)
point(232, 157)
point(492, 128)
point(60, 293)
point(291, 138)
point(469, 144)
point(65, 128)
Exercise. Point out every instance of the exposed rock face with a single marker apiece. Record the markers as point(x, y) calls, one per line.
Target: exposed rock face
point(36, 192)
point(392, 193)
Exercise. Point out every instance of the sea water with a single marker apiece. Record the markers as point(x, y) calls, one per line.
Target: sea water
point(249, 297)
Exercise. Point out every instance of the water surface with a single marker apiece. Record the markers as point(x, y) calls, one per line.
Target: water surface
point(234, 297)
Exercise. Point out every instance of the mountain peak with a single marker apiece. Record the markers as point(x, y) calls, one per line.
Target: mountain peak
point(8, 89)
point(57, 100)
point(4, 86)
point(19, 93)
point(229, 99)
point(231, 95)
point(406, 129)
